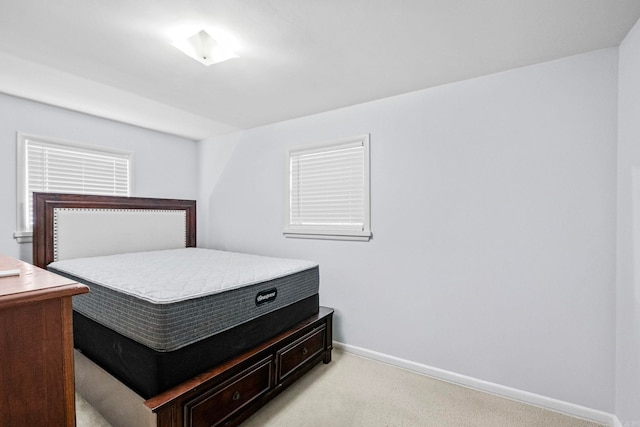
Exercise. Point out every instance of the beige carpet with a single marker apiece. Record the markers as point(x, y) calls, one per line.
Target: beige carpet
point(86, 416)
point(355, 392)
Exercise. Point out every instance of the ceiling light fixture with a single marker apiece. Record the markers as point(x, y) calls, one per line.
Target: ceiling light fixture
point(204, 48)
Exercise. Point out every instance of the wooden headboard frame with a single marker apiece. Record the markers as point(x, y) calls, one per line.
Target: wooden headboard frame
point(45, 204)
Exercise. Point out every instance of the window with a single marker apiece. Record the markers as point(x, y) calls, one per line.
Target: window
point(329, 191)
point(52, 166)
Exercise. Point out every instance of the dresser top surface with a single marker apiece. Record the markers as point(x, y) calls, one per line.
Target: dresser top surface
point(33, 282)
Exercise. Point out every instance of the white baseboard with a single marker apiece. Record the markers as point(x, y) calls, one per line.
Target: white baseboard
point(488, 387)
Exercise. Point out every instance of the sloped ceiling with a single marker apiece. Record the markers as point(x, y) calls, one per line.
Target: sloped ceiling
point(297, 57)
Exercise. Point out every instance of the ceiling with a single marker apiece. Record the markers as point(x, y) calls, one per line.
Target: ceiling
point(296, 57)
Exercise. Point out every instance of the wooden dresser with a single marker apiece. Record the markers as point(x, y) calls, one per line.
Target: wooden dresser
point(36, 347)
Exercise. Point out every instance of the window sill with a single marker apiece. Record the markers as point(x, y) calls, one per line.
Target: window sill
point(360, 236)
point(23, 236)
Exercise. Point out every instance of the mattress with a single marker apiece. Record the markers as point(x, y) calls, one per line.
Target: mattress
point(166, 300)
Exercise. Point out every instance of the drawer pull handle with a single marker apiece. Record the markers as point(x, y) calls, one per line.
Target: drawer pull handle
point(305, 351)
point(236, 395)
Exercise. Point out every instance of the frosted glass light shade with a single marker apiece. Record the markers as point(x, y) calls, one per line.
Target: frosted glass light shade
point(204, 48)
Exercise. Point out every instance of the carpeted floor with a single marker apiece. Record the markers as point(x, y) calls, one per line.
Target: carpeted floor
point(356, 392)
point(86, 416)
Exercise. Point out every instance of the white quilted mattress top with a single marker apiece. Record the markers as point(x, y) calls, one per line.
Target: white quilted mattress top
point(168, 276)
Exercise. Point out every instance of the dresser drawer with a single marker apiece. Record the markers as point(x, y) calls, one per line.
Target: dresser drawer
point(214, 408)
point(297, 353)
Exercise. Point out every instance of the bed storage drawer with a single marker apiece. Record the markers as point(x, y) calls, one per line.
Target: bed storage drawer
point(257, 375)
point(297, 353)
point(214, 408)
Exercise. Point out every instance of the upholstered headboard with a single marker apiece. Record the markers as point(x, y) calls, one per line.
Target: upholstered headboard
point(72, 226)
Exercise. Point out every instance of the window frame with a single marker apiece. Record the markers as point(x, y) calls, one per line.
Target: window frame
point(331, 231)
point(24, 231)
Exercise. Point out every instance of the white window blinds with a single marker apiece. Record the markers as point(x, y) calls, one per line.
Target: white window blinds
point(56, 167)
point(329, 191)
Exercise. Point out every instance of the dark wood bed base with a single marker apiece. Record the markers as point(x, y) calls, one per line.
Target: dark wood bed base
point(229, 393)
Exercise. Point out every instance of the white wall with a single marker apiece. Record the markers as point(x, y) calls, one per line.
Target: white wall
point(164, 165)
point(493, 213)
point(628, 287)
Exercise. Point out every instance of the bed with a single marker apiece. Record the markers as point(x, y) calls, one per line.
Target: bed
point(202, 337)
